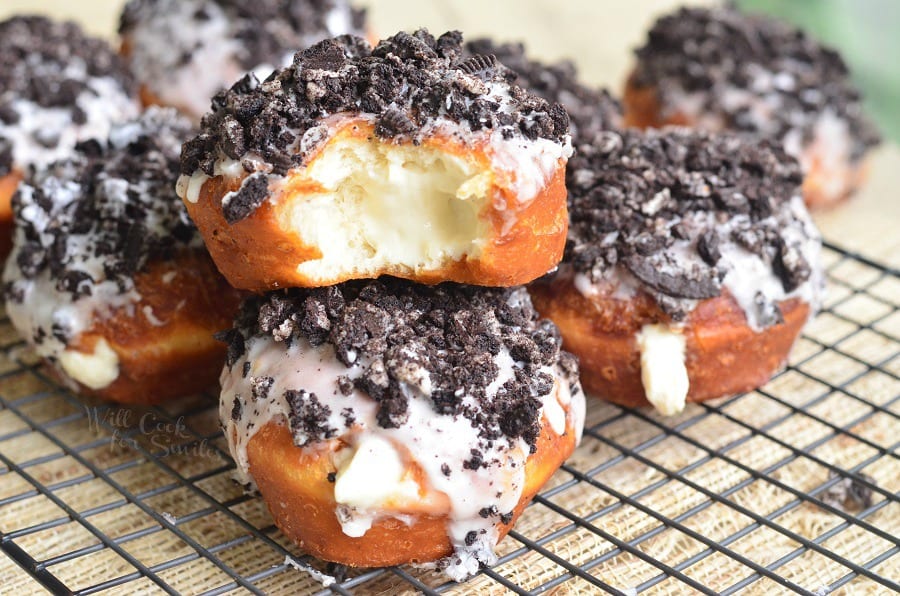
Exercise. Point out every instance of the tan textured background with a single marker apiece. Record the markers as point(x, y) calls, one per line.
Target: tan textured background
point(598, 35)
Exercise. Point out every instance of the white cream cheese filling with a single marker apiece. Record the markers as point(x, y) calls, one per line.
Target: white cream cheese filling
point(663, 371)
point(96, 370)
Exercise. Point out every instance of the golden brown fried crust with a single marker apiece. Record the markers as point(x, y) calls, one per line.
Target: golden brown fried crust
point(180, 357)
point(723, 354)
point(8, 186)
point(259, 254)
point(294, 484)
point(642, 110)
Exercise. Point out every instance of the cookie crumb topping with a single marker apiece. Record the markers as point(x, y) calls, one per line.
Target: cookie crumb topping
point(406, 83)
point(590, 110)
point(266, 29)
point(101, 215)
point(440, 342)
point(718, 52)
point(665, 205)
point(58, 86)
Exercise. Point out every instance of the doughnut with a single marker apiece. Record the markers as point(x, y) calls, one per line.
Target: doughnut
point(721, 69)
point(690, 269)
point(387, 422)
point(589, 109)
point(402, 160)
point(58, 87)
point(183, 52)
point(108, 279)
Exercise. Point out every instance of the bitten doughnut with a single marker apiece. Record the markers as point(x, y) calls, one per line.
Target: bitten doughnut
point(590, 109)
point(108, 279)
point(57, 87)
point(386, 422)
point(183, 52)
point(720, 69)
point(402, 160)
point(691, 266)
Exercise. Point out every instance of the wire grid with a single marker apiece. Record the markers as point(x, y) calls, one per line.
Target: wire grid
point(731, 495)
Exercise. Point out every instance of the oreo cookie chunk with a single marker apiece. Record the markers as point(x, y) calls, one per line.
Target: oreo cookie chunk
point(58, 87)
point(684, 216)
point(464, 378)
point(185, 51)
point(591, 110)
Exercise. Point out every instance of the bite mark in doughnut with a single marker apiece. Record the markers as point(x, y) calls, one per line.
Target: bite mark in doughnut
point(690, 257)
point(448, 173)
point(388, 422)
point(719, 69)
point(439, 210)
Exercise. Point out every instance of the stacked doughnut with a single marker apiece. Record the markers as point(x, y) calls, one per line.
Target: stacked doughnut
point(183, 52)
point(385, 421)
point(720, 69)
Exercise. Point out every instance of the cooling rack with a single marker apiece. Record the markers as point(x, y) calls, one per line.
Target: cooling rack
point(793, 487)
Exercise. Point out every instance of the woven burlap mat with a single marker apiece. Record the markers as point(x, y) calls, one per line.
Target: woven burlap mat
point(714, 496)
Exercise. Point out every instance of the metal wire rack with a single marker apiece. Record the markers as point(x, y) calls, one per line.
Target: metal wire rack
point(793, 487)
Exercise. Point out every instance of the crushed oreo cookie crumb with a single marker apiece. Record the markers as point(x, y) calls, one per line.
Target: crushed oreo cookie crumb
point(38, 59)
point(406, 82)
point(266, 29)
point(436, 342)
point(100, 216)
point(697, 187)
point(241, 203)
point(712, 51)
point(849, 494)
point(590, 110)
point(308, 418)
point(260, 386)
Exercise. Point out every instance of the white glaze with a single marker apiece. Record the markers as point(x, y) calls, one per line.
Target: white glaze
point(104, 103)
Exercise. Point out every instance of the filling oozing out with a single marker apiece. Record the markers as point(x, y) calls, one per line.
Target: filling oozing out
point(459, 382)
point(386, 205)
point(84, 227)
point(663, 370)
